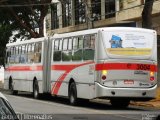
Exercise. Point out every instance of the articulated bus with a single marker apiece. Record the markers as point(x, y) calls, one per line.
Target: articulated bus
point(115, 63)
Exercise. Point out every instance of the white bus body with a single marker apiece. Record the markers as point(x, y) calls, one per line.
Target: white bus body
point(1, 74)
point(115, 62)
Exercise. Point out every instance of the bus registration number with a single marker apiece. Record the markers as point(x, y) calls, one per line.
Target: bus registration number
point(143, 67)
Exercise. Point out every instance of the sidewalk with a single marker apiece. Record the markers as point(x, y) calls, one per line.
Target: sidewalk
point(152, 103)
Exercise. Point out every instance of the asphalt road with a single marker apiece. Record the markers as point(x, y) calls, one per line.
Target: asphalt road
point(56, 108)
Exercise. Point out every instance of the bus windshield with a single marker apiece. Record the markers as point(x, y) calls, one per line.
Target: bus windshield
point(130, 43)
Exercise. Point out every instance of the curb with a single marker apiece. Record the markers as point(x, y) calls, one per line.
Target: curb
point(155, 104)
point(141, 104)
point(152, 103)
point(158, 94)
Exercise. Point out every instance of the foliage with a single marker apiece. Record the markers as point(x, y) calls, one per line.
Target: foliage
point(23, 16)
point(5, 33)
point(26, 16)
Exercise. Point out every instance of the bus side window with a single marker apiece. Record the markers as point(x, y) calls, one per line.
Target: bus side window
point(66, 54)
point(37, 52)
point(89, 47)
point(70, 44)
point(17, 55)
point(26, 52)
point(75, 43)
point(8, 55)
point(93, 41)
point(30, 53)
point(23, 54)
point(12, 56)
point(77, 48)
point(40, 51)
point(57, 50)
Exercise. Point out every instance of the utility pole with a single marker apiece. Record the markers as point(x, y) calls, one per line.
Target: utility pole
point(147, 14)
point(89, 19)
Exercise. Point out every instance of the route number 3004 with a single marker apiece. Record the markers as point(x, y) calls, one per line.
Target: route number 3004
point(143, 67)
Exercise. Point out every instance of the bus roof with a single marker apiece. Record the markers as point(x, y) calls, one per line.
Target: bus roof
point(32, 40)
point(77, 33)
point(93, 31)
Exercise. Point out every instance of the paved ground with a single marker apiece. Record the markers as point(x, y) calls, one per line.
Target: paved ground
point(59, 109)
point(153, 103)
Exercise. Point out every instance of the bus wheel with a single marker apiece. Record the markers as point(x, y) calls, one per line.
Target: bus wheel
point(73, 94)
point(120, 103)
point(13, 92)
point(35, 90)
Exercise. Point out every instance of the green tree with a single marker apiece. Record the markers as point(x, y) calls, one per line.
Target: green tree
point(22, 16)
point(26, 16)
point(5, 33)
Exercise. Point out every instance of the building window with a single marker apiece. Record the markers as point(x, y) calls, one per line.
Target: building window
point(66, 13)
point(54, 17)
point(96, 9)
point(80, 12)
point(110, 8)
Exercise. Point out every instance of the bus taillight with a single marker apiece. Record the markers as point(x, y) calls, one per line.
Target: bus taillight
point(152, 76)
point(104, 74)
point(104, 77)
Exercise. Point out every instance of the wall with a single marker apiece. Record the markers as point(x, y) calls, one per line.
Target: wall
point(132, 10)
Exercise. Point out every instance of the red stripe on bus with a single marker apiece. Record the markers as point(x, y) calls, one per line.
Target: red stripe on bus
point(64, 67)
point(67, 69)
point(25, 68)
point(58, 83)
point(126, 66)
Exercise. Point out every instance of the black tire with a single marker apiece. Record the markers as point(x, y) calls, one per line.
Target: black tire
point(120, 103)
point(13, 92)
point(158, 117)
point(73, 94)
point(35, 90)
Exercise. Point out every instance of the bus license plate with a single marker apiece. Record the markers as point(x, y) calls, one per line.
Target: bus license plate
point(130, 82)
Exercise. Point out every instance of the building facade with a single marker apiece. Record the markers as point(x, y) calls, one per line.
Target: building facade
point(73, 15)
